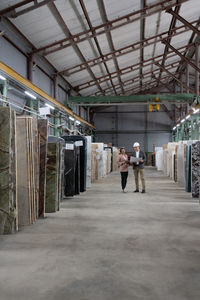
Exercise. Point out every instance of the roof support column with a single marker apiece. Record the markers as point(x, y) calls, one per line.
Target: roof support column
point(55, 86)
point(197, 73)
point(30, 67)
point(187, 79)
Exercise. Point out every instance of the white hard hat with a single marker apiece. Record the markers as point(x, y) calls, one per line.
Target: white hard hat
point(136, 145)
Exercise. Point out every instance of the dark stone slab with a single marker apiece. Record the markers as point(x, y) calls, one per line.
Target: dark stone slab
point(43, 133)
point(195, 152)
point(52, 177)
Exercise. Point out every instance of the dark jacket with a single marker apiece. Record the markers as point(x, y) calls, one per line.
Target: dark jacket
point(142, 156)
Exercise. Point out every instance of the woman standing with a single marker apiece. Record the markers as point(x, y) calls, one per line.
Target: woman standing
point(123, 165)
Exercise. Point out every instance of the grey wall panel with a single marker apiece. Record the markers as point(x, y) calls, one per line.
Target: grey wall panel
point(42, 81)
point(128, 126)
point(127, 140)
point(61, 95)
point(10, 56)
point(158, 139)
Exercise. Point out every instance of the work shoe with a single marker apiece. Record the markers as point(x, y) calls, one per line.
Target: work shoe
point(136, 191)
point(143, 191)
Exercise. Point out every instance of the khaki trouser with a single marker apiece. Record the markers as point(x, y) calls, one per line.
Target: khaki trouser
point(138, 170)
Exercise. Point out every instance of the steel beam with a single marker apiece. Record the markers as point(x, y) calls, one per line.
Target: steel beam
point(11, 10)
point(111, 25)
point(30, 67)
point(142, 38)
point(137, 79)
point(67, 32)
point(123, 71)
point(110, 40)
point(95, 40)
point(170, 32)
point(163, 84)
point(124, 50)
point(173, 76)
point(182, 20)
point(181, 56)
point(187, 98)
point(187, 78)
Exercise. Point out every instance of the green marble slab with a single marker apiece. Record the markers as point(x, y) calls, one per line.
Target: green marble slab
point(8, 201)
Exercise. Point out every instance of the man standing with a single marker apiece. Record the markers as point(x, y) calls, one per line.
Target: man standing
point(138, 167)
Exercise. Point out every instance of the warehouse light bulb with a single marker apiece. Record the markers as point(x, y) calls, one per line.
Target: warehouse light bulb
point(174, 128)
point(72, 119)
point(30, 95)
point(2, 78)
point(78, 123)
point(187, 117)
point(178, 125)
point(50, 106)
point(182, 120)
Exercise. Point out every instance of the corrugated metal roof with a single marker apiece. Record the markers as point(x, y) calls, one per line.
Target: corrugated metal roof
point(99, 42)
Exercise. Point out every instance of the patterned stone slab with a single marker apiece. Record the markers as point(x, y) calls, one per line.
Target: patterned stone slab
point(27, 169)
point(195, 154)
point(8, 199)
point(52, 177)
point(43, 133)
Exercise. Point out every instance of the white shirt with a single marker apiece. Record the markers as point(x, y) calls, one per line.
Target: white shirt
point(137, 155)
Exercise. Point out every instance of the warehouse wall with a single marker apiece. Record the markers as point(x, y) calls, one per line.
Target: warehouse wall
point(13, 52)
point(123, 125)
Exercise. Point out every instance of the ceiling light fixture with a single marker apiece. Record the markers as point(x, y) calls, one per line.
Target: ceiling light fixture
point(72, 119)
point(2, 78)
point(50, 106)
point(30, 95)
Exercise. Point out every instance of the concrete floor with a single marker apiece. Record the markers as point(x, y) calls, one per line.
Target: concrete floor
point(105, 245)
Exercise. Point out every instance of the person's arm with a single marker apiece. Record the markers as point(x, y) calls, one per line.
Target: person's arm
point(120, 162)
point(143, 157)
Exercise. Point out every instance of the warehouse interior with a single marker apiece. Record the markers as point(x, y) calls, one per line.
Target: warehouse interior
point(81, 81)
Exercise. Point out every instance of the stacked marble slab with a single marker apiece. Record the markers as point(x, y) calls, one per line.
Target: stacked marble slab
point(94, 162)
point(165, 162)
point(108, 167)
point(171, 154)
point(27, 169)
point(89, 161)
point(181, 163)
point(53, 177)
point(115, 159)
point(8, 176)
point(159, 158)
point(104, 165)
point(43, 135)
point(195, 155)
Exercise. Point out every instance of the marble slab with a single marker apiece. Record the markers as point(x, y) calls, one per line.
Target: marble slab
point(171, 151)
point(43, 134)
point(27, 169)
point(165, 162)
point(181, 159)
point(195, 156)
point(52, 178)
point(159, 160)
point(88, 173)
point(8, 197)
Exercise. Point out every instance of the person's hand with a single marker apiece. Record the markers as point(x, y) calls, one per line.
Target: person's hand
point(141, 161)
